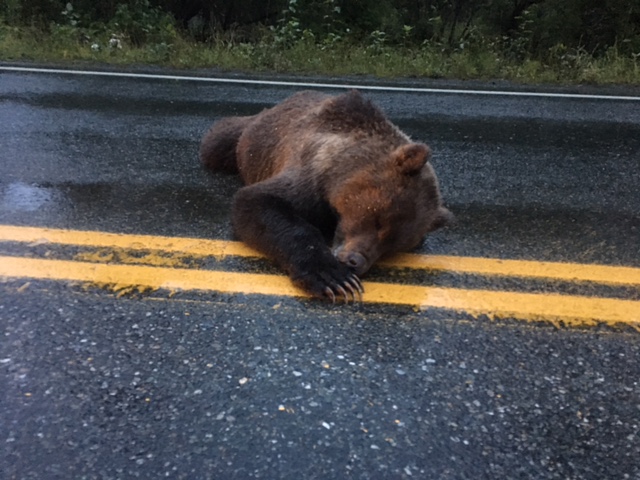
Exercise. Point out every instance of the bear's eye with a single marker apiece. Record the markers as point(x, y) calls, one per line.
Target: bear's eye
point(382, 230)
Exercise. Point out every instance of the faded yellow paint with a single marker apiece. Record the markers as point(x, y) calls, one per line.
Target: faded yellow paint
point(120, 289)
point(193, 247)
point(154, 258)
point(572, 310)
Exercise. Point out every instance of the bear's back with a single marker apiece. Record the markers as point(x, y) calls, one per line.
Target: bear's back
point(272, 139)
point(309, 131)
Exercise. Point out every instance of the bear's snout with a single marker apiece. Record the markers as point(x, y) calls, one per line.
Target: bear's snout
point(354, 260)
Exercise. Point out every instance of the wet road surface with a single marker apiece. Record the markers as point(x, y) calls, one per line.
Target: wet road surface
point(106, 377)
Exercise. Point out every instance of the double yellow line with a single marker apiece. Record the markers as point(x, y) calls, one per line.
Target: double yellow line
point(570, 309)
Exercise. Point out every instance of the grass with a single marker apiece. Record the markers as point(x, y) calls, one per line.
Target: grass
point(306, 57)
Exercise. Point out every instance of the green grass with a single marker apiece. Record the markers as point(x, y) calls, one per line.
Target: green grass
point(305, 57)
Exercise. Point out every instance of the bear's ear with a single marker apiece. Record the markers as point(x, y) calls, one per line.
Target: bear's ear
point(410, 158)
point(444, 218)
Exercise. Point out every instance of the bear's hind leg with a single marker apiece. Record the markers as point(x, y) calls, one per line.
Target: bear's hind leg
point(268, 222)
point(218, 146)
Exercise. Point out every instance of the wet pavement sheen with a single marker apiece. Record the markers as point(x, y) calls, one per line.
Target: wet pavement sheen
point(243, 386)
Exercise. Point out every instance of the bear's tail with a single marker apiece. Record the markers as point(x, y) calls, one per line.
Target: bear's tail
point(218, 146)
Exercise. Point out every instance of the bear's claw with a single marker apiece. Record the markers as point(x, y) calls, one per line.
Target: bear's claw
point(330, 280)
point(329, 293)
point(351, 288)
point(343, 292)
point(354, 283)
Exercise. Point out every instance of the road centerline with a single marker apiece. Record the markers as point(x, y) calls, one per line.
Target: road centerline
point(572, 310)
point(570, 272)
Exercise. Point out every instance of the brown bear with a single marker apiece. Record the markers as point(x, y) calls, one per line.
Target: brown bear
point(326, 170)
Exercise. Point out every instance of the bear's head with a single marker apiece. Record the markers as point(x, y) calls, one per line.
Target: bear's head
point(386, 207)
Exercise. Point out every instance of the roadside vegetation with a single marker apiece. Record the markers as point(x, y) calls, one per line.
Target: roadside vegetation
point(532, 41)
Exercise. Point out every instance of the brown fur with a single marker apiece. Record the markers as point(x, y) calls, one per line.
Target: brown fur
point(322, 169)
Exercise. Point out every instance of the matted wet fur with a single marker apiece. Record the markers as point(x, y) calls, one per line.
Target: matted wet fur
point(331, 185)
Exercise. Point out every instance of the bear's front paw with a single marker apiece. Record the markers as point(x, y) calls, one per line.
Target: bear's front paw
point(330, 280)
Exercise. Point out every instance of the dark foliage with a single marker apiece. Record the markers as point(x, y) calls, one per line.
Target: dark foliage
point(527, 27)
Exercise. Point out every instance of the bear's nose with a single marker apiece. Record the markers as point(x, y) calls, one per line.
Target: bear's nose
point(357, 262)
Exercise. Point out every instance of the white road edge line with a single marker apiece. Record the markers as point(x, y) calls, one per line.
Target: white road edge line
point(279, 83)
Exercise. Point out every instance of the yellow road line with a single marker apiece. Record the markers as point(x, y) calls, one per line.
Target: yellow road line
point(572, 272)
point(191, 246)
point(574, 310)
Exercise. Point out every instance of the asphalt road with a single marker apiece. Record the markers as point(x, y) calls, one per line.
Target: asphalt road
point(193, 384)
